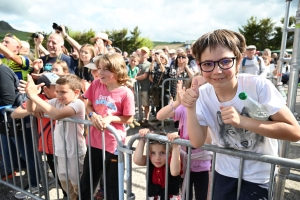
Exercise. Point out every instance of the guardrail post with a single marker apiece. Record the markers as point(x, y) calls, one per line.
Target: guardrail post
point(291, 101)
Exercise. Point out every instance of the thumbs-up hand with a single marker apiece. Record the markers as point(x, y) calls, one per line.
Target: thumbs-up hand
point(190, 95)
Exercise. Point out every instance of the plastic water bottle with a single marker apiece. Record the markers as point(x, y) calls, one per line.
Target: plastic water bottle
point(257, 111)
point(281, 90)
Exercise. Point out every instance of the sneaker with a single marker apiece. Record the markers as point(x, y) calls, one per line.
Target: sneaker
point(50, 175)
point(20, 195)
point(131, 125)
point(136, 123)
point(99, 195)
point(9, 176)
point(155, 120)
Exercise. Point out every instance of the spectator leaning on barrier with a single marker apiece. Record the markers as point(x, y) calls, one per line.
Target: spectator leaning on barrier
point(216, 105)
point(109, 102)
point(65, 105)
point(8, 98)
point(9, 54)
point(47, 83)
point(156, 180)
point(143, 79)
point(200, 159)
point(253, 64)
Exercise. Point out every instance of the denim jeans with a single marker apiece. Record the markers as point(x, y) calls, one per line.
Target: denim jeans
point(21, 145)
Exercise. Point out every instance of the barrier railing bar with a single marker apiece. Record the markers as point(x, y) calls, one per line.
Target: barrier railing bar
point(188, 168)
point(18, 152)
point(44, 155)
point(104, 162)
point(294, 177)
point(163, 93)
point(54, 159)
point(167, 171)
point(271, 182)
point(9, 151)
point(213, 167)
point(241, 169)
point(66, 157)
point(77, 163)
point(90, 163)
point(37, 156)
point(19, 189)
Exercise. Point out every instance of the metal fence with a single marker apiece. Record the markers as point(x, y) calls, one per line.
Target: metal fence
point(242, 155)
point(41, 165)
point(40, 160)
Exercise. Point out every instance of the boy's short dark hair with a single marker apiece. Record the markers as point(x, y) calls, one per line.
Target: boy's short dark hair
point(70, 79)
point(231, 40)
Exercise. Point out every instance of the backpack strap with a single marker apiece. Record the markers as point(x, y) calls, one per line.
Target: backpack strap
point(259, 63)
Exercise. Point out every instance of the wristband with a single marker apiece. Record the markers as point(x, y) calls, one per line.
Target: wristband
point(82, 96)
point(91, 114)
point(171, 104)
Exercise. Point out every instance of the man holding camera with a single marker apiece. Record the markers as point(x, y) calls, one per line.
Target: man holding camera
point(9, 54)
point(54, 47)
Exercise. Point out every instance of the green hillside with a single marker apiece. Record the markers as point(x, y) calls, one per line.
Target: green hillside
point(19, 34)
point(6, 28)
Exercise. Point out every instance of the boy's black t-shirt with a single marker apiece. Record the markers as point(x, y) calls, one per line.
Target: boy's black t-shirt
point(7, 86)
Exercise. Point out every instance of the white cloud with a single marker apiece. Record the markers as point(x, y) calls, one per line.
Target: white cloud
point(165, 20)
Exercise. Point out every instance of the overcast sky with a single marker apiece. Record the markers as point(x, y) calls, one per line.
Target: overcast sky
point(160, 20)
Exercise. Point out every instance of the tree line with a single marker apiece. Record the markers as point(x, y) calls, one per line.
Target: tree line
point(263, 33)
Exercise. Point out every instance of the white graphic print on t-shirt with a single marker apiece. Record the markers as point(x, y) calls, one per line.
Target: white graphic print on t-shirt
point(239, 138)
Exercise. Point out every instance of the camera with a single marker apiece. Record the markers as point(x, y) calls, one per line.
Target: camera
point(36, 35)
point(56, 27)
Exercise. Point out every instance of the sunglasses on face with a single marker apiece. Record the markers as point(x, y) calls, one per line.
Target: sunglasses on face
point(183, 57)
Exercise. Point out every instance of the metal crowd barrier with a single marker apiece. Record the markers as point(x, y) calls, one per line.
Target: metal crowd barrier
point(41, 165)
point(243, 155)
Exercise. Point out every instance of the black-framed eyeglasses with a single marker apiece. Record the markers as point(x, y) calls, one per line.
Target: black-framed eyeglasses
point(224, 64)
point(183, 57)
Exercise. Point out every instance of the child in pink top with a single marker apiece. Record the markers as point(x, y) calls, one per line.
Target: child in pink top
point(200, 159)
point(109, 102)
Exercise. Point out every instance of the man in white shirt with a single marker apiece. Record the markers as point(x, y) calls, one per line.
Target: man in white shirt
point(253, 64)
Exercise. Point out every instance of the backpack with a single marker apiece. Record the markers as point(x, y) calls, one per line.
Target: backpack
point(258, 60)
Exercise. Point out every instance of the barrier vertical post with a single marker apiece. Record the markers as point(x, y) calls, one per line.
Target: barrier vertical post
point(38, 156)
point(283, 40)
point(292, 91)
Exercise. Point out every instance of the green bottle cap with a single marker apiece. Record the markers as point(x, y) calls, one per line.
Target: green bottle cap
point(243, 96)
